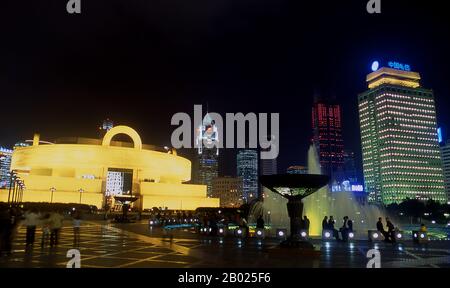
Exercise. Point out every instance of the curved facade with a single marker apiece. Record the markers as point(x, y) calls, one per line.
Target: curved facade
point(93, 173)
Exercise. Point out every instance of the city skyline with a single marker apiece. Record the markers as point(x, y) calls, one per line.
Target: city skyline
point(96, 77)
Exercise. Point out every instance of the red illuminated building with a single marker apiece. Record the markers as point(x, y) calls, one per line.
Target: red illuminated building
point(327, 137)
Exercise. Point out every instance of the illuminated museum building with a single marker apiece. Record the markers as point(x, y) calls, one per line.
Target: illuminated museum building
point(96, 170)
point(401, 155)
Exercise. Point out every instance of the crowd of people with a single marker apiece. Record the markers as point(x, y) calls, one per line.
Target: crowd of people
point(50, 224)
point(328, 224)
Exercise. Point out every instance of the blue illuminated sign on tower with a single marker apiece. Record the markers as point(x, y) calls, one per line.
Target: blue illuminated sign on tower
point(399, 66)
point(439, 132)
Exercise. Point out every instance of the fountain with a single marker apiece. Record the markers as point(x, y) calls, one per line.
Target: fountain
point(316, 206)
point(294, 187)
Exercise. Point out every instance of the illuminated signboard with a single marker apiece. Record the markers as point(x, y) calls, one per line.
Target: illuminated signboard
point(357, 188)
point(439, 132)
point(399, 66)
point(392, 64)
point(346, 187)
point(375, 66)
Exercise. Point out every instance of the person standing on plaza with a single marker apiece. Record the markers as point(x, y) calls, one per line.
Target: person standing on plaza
point(31, 221)
point(325, 223)
point(345, 229)
point(76, 228)
point(260, 222)
point(6, 228)
point(56, 223)
point(45, 223)
point(306, 224)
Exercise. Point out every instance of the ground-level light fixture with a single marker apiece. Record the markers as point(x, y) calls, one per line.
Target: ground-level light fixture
point(259, 233)
point(281, 233)
point(327, 234)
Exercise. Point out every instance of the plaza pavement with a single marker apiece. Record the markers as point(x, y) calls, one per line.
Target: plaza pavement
point(136, 245)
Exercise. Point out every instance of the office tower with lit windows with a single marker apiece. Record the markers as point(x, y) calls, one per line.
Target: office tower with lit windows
point(445, 156)
point(350, 166)
point(327, 137)
point(228, 190)
point(247, 169)
point(269, 166)
point(5, 164)
point(207, 166)
point(400, 150)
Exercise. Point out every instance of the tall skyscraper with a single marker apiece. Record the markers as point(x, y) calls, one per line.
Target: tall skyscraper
point(228, 190)
point(327, 137)
point(350, 166)
point(247, 169)
point(269, 166)
point(401, 155)
point(445, 156)
point(207, 155)
point(5, 165)
point(105, 127)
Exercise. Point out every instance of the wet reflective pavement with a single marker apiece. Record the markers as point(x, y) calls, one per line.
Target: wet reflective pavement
point(138, 246)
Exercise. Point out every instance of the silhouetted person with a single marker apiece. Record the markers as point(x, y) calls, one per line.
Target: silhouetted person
point(380, 229)
point(423, 228)
point(56, 223)
point(325, 223)
point(350, 225)
point(31, 221)
point(76, 228)
point(260, 222)
point(6, 230)
point(331, 227)
point(45, 222)
point(344, 229)
point(391, 230)
point(306, 224)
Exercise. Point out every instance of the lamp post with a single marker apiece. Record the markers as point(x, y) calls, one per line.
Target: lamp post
point(12, 179)
point(53, 189)
point(23, 190)
point(19, 191)
point(15, 190)
point(81, 192)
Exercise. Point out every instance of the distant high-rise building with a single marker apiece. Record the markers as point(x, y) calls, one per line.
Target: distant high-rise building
point(105, 127)
point(228, 190)
point(400, 150)
point(5, 165)
point(207, 158)
point(445, 156)
point(350, 166)
point(268, 166)
point(327, 137)
point(247, 169)
point(297, 170)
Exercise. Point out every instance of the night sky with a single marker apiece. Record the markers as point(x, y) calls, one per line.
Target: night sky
point(138, 62)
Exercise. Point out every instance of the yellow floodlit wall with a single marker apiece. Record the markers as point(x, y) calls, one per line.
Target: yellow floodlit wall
point(70, 167)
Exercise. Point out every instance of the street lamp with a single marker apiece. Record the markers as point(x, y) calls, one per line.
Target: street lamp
point(53, 189)
point(12, 179)
point(19, 191)
point(81, 192)
point(16, 188)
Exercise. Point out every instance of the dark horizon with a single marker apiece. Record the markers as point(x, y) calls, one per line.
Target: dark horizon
point(138, 62)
